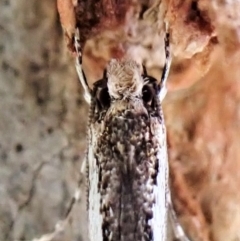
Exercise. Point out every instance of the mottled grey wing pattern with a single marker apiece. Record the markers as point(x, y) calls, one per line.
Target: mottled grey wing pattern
point(127, 165)
point(128, 170)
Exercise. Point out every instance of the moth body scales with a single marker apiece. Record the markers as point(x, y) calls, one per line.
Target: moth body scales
point(127, 162)
point(127, 156)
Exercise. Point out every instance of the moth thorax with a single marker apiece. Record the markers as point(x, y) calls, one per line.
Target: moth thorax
point(124, 79)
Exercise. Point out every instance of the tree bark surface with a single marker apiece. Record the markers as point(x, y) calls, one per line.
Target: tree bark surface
point(43, 114)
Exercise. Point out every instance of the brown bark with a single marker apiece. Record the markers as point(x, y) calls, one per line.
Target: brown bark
point(43, 114)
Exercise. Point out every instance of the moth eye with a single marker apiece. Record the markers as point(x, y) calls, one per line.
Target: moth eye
point(147, 94)
point(103, 97)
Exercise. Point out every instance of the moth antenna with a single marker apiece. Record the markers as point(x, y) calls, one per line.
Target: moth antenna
point(144, 70)
point(80, 72)
point(105, 74)
point(166, 68)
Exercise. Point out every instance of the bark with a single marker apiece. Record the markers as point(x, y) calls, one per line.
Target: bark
point(43, 114)
point(42, 124)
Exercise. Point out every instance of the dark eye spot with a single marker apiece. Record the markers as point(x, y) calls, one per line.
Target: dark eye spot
point(104, 97)
point(147, 94)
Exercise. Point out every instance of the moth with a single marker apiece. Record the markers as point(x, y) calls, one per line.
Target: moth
point(126, 157)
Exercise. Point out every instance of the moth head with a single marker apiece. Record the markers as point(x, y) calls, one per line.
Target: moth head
point(124, 80)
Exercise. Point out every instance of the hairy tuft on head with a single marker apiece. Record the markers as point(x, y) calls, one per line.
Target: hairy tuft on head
point(124, 79)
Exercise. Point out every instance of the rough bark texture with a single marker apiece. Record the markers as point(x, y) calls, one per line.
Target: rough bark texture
point(42, 123)
point(43, 115)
